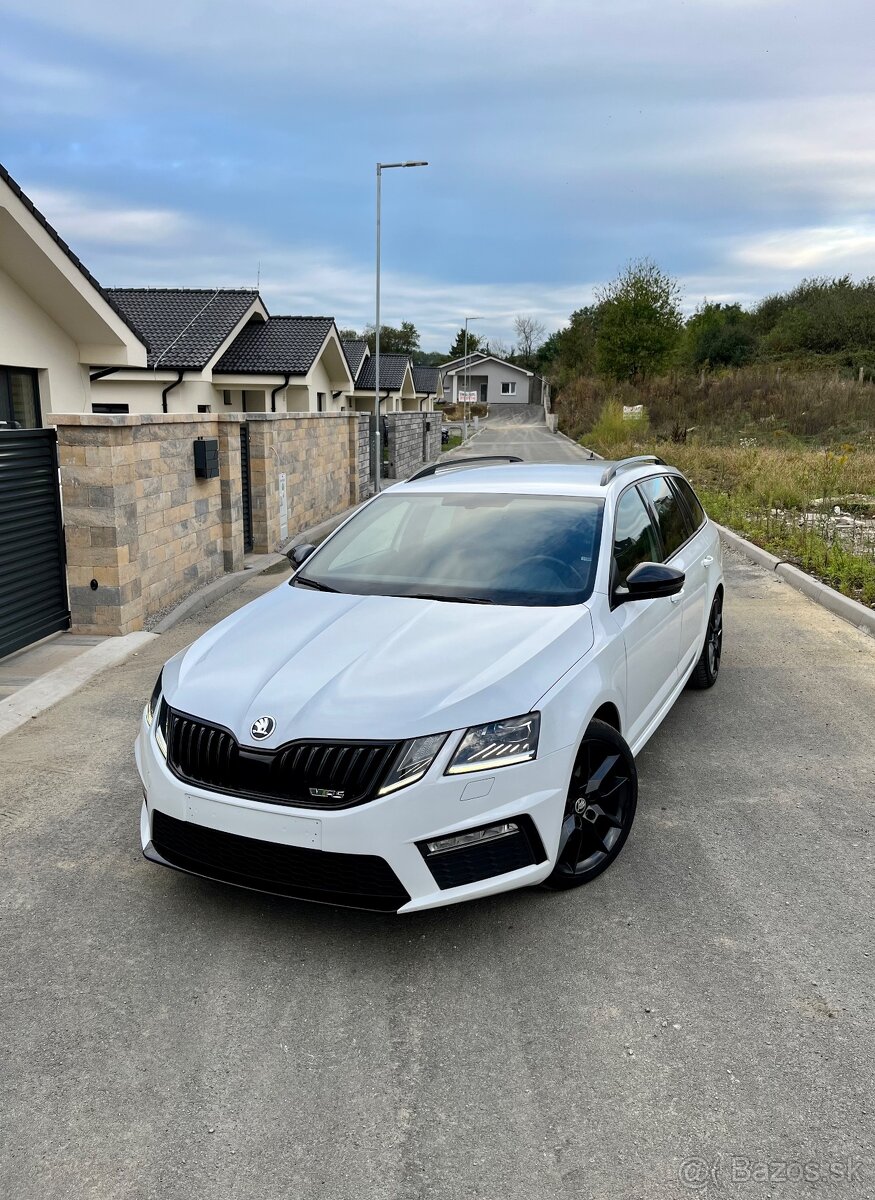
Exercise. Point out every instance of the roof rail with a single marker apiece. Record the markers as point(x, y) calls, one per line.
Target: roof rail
point(452, 463)
point(637, 461)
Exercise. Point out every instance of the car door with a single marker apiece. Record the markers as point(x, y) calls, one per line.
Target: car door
point(700, 559)
point(685, 542)
point(651, 628)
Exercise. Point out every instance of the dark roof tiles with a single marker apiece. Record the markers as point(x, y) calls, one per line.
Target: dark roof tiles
point(356, 352)
point(276, 346)
point(426, 379)
point(184, 326)
point(392, 368)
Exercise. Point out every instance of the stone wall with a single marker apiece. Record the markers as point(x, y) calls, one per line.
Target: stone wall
point(365, 465)
point(141, 530)
point(405, 442)
point(318, 453)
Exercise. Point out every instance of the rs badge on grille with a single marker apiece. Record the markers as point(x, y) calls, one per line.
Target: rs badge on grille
point(262, 728)
point(326, 794)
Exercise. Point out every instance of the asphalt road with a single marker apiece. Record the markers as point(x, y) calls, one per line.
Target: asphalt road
point(708, 998)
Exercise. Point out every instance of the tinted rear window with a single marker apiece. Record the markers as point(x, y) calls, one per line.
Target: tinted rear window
point(670, 513)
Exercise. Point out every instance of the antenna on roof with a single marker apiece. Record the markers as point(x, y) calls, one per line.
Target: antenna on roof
point(258, 276)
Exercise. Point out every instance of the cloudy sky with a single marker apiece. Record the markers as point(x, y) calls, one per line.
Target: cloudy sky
point(178, 142)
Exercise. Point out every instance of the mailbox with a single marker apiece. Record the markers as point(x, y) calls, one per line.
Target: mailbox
point(206, 458)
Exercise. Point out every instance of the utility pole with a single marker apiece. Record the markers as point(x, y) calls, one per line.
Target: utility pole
point(381, 167)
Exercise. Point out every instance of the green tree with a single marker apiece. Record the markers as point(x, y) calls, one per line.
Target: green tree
point(718, 335)
point(639, 322)
point(570, 351)
point(401, 340)
point(458, 347)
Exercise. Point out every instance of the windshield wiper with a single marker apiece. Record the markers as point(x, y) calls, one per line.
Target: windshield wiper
point(313, 583)
point(450, 599)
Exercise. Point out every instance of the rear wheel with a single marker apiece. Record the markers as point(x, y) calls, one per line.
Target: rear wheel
point(706, 669)
point(599, 810)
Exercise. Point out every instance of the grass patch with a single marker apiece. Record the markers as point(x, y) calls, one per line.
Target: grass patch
point(781, 499)
point(455, 440)
point(768, 404)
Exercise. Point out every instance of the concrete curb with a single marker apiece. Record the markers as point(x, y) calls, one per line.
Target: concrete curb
point(849, 610)
point(57, 685)
point(761, 557)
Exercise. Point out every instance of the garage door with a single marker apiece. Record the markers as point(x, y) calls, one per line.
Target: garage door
point(33, 583)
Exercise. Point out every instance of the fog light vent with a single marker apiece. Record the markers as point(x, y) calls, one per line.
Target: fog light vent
point(472, 837)
point(475, 854)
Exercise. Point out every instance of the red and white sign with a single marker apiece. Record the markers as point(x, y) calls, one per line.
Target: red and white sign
point(468, 397)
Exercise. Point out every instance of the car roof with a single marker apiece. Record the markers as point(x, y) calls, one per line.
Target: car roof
point(546, 479)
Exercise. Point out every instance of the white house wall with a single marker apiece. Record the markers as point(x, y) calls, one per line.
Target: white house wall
point(30, 338)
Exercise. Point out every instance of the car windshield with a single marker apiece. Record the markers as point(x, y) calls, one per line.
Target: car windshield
point(482, 548)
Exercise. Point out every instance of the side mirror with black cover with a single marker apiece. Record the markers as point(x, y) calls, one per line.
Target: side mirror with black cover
point(298, 555)
point(650, 581)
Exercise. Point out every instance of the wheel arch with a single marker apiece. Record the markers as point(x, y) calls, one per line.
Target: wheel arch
point(610, 714)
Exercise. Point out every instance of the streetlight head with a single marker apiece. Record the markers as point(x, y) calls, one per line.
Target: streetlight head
point(415, 164)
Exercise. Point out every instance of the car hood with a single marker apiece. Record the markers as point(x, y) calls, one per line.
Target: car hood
point(327, 665)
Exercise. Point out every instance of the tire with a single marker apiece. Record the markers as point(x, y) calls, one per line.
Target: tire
point(706, 670)
point(599, 811)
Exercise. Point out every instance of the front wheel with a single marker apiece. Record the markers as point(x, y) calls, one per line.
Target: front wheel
point(599, 810)
point(706, 669)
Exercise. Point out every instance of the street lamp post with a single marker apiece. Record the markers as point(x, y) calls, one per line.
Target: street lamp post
point(381, 167)
point(465, 380)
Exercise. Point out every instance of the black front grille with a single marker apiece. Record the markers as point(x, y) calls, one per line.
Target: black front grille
point(452, 868)
point(211, 757)
point(356, 880)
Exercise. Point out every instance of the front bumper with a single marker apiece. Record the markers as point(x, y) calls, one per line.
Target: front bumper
point(389, 829)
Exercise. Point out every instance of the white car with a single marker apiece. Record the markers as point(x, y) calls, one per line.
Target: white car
point(446, 698)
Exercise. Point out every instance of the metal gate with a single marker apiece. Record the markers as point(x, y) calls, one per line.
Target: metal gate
point(33, 577)
point(247, 489)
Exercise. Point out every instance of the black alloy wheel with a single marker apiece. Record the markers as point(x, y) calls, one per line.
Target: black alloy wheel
point(599, 810)
point(706, 669)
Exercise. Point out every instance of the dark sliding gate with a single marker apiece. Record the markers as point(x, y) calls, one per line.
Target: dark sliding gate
point(33, 577)
point(247, 489)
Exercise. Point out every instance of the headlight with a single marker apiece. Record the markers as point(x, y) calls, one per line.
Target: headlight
point(161, 728)
point(413, 761)
point(499, 744)
point(154, 698)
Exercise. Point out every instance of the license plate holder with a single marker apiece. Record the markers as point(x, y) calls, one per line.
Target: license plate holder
point(279, 827)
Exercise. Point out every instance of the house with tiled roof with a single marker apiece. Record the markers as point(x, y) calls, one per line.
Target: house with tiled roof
point(404, 386)
point(58, 324)
point(219, 350)
point(495, 380)
point(429, 385)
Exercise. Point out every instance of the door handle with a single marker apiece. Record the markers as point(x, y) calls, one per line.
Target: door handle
point(707, 560)
point(676, 599)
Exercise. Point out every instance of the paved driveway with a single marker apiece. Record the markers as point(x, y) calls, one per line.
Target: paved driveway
point(709, 997)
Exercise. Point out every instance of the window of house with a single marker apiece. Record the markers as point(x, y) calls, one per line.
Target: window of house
point(320, 402)
point(110, 408)
point(508, 389)
point(205, 408)
point(226, 395)
point(19, 399)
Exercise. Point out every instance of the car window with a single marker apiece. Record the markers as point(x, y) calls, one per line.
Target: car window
point(495, 548)
point(383, 531)
point(697, 513)
point(635, 538)
point(669, 513)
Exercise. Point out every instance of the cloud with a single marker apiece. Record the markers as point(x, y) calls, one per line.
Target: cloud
point(832, 249)
point(80, 218)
